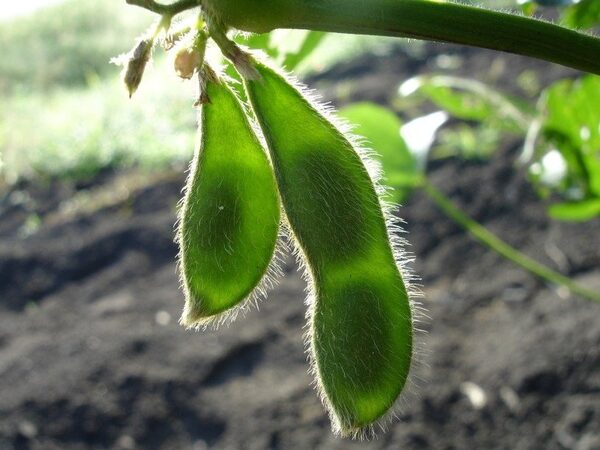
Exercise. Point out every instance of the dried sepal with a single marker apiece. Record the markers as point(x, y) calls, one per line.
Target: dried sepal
point(205, 75)
point(134, 64)
point(171, 39)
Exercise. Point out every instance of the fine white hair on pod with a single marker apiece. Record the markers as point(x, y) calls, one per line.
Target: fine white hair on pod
point(403, 260)
point(273, 271)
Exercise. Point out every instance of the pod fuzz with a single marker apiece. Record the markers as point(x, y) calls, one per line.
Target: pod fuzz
point(360, 331)
point(229, 220)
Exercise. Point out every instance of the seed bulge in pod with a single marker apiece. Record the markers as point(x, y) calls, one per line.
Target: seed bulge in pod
point(361, 330)
point(230, 216)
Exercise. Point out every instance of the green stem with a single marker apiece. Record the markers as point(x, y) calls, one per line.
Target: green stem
point(420, 19)
point(490, 240)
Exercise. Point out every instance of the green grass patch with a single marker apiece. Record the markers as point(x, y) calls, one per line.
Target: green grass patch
point(77, 132)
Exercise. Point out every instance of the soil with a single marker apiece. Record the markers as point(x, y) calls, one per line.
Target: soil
point(92, 357)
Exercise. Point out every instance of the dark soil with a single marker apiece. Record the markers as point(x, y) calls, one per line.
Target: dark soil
point(92, 357)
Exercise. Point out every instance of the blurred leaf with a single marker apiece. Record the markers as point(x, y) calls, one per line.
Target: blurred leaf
point(469, 142)
point(338, 48)
point(585, 14)
point(259, 42)
point(576, 211)
point(554, 2)
point(528, 8)
point(573, 125)
point(381, 128)
point(311, 41)
point(288, 47)
point(471, 100)
point(459, 104)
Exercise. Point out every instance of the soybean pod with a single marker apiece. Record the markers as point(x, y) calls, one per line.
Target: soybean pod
point(229, 221)
point(361, 332)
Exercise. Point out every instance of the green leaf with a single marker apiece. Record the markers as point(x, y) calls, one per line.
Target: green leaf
point(469, 142)
point(573, 125)
point(469, 99)
point(310, 43)
point(258, 41)
point(288, 47)
point(381, 128)
point(554, 2)
point(585, 14)
point(460, 104)
point(576, 211)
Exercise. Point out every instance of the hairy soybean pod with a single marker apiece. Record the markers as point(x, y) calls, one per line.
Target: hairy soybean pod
point(229, 222)
point(361, 321)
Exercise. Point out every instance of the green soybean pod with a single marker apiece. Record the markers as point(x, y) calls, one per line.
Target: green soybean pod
point(229, 222)
point(361, 330)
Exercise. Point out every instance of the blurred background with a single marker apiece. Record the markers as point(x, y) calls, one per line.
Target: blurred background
point(91, 355)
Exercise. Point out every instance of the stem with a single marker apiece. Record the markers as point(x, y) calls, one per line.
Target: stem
point(165, 10)
point(490, 240)
point(241, 60)
point(420, 19)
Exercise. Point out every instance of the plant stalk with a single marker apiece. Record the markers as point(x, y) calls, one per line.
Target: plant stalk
point(490, 240)
point(419, 19)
